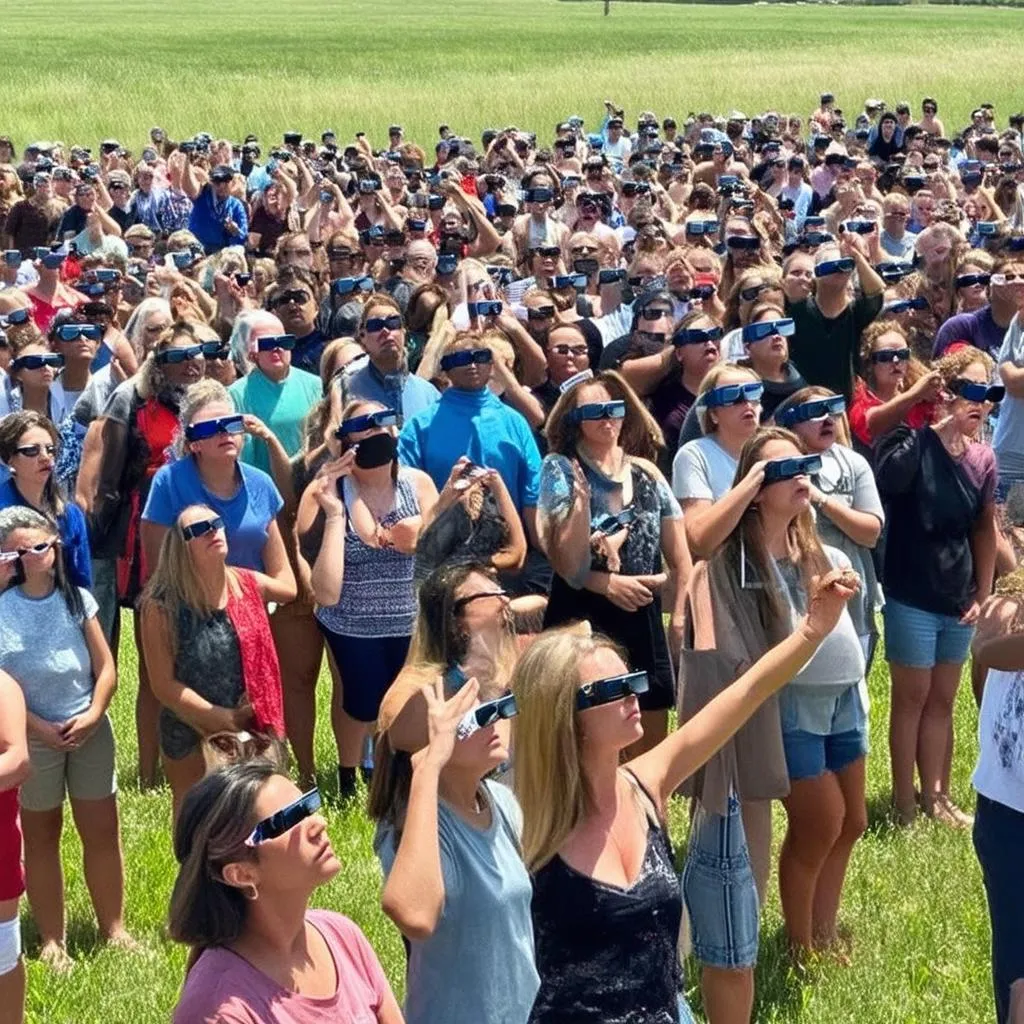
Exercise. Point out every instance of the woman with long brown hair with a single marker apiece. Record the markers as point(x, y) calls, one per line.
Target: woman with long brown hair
point(607, 521)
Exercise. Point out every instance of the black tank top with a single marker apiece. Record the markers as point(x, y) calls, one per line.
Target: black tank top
point(607, 954)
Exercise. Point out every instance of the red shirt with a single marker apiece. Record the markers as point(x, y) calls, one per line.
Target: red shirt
point(919, 415)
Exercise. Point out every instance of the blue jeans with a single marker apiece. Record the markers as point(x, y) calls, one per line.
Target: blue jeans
point(998, 841)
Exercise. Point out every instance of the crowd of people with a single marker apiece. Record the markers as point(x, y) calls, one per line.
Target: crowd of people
point(537, 438)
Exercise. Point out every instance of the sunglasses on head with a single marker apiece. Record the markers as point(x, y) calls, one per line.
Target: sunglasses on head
point(540, 312)
point(376, 324)
point(15, 317)
point(905, 305)
point(974, 392)
point(33, 362)
point(176, 356)
point(285, 819)
point(969, 280)
point(733, 394)
point(460, 602)
point(201, 528)
point(356, 424)
point(614, 410)
point(829, 267)
point(768, 329)
point(742, 242)
point(891, 355)
point(286, 342)
point(696, 335)
point(467, 357)
point(809, 412)
point(205, 429)
point(486, 714)
point(296, 295)
point(777, 470)
point(607, 691)
point(33, 451)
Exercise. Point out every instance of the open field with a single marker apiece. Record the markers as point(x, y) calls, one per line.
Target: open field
point(914, 902)
point(88, 70)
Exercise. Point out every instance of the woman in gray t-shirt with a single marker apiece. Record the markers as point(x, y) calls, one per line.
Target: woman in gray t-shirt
point(52, 644)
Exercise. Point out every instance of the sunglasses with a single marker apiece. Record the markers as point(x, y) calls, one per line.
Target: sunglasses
point(904, 305)
point(176, 356)
point(696, 336)
point(733, 394)
point(485, 715)
point(215, 350)
point(569, 350)
point(701, 227)
point(285, 342)
point(702, 291)
point(891, 355)
point(1006, 278)
point(54, 359)
point(377, 323)
point(467, 357)
point(296, 295)
point(809, 412)
point(974, 392)
point(37, 549)
point(614, 410)
point(741, 242)
point(33, 451)
point(768, 329)
point(894, 271)
point(607, 691)
point(551, 252)
point(382, 418)
point(203, 527)
point(613, 524)
point(205, 429)
point(653, 314)
point(777, 470)
point(540, 313)
point(460, 602)
point(970, 280)
point(815, 238)
point(751, 293)
point(15, 317)
point(829, 267)
point(72, 332)
point(347, 285)
point(285, 819)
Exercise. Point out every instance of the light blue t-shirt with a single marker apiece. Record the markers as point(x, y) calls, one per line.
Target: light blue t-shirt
point(283, 407)
point(702, 469)
point(1008, 440)
point(404, 392)
point(44, 649)
point(247, 514)
point(478, 966)
point(479, 425)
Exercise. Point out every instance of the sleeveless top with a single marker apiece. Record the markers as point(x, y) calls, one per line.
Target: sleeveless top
point(604, 953)
point(377, 596)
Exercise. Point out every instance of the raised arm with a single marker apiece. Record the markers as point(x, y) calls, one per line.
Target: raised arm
point(709, 523)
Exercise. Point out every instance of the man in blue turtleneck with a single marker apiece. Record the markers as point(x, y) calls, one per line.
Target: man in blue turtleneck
point(469, 419)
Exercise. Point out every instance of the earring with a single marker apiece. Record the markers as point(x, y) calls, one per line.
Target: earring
point(251, 893)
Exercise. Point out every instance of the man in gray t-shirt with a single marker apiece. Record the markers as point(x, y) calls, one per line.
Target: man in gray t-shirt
point(1008, 441)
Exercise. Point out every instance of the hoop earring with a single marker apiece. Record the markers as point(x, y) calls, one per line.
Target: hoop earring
point(251, 888)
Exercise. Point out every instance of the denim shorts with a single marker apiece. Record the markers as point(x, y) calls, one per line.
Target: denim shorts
point(920, 639)
point(809, 754)
point(719, 889)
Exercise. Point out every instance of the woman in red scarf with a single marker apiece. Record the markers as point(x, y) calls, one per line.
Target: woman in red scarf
point(208, 646)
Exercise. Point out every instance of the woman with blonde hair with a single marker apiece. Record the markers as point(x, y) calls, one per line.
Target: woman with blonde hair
point(606, 903)
point(608, 522)
point(938, 482)
point(208, 647)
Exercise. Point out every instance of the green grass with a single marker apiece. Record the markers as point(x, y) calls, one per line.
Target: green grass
point(88, 69)
point(914, 902)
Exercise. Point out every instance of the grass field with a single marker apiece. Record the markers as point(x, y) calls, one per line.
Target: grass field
point(914, 902)
point(89, 69)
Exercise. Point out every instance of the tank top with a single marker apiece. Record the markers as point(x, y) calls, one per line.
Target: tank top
point(608, 954)
point(377, 596)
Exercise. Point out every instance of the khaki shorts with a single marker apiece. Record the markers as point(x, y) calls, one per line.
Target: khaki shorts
point(86, 773)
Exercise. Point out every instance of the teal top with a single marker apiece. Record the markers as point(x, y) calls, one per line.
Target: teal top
point(282, 407)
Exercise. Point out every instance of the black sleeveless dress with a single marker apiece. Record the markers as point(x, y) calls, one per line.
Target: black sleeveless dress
point(605, 954)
